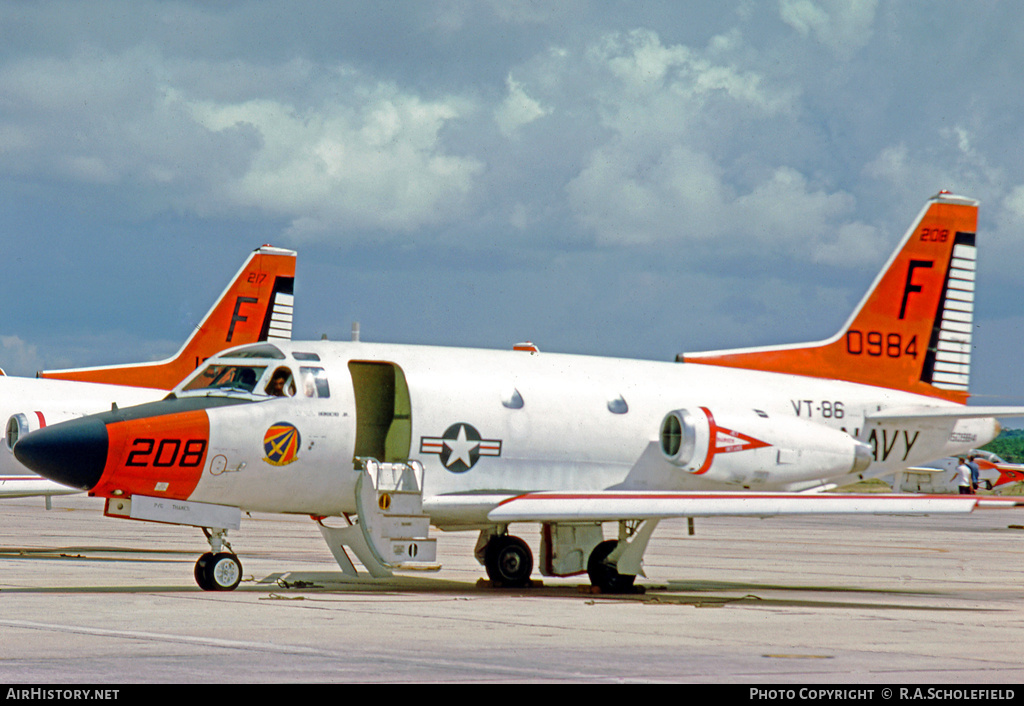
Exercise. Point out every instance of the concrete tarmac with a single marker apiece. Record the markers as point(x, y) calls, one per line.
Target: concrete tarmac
point(855, 600)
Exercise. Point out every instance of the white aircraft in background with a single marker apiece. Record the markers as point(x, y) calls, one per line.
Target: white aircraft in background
point(940, 477)
point(256, 306)
point(403, 437)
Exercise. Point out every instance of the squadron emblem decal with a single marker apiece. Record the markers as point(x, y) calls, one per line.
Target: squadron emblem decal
point(281, 444)
point(460, 447)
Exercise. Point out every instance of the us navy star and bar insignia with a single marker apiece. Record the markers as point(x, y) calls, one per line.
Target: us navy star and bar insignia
point(460, 447)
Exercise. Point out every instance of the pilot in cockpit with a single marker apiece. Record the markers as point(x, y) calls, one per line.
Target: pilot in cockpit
point(281, 384)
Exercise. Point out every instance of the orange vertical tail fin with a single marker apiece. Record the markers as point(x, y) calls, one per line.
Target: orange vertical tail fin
point(912, 331)
point(256, 306)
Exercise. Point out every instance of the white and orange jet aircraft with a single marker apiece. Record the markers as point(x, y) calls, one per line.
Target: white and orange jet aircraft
point(938, 477)
point(256, 306)
point(390, 439)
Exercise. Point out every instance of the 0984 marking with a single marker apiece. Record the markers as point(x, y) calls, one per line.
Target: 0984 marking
point(877, 344)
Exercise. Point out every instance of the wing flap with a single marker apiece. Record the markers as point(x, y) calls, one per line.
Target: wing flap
point(610, 506)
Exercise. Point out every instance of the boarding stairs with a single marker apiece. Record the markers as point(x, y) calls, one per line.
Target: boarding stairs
point(391, 531)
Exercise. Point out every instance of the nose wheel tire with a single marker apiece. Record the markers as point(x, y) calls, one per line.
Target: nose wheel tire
point(509, 562)
point(218, 572)
point(603, 574)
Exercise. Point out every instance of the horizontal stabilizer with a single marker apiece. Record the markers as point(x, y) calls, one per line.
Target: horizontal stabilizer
point(611, 506)
point(923, 412)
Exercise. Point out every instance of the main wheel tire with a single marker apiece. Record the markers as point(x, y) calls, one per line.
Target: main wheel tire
point(509, 562)
point(218, 572)
point(603, 574)
point(201, 571)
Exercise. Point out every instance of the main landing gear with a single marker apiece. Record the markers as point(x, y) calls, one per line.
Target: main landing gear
point(614, 563)
point(568, 550)
point(509, 561)
point(217, 570)
point(604, 574)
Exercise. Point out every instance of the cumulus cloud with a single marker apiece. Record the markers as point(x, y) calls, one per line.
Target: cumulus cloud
point(375, 163)
point(465, 139)
point(687, 79)
point(686, 201)
point(668, 174)
point(517, 109)
point(104, 119)
point(844, 26)
point(330, 150)
point(351, 153)
point(640, 141)
point(944, 159)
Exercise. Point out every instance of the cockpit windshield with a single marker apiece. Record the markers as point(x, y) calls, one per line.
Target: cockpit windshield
point(258, 350)
point(241, 378)
point(265, 378)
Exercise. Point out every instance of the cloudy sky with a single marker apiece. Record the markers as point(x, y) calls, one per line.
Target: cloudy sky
point(627, 179)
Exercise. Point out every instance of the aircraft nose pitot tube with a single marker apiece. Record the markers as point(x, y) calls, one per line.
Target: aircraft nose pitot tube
point(750, 447)
point(73, 453)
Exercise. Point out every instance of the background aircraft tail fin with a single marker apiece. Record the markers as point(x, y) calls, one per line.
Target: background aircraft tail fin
point(256, 306)
point(912, 331)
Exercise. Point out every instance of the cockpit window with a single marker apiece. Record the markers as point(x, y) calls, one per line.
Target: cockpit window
point(314, 382)
point(226, 377)
point(263, 379)
point(260, 350)
point(281, 384)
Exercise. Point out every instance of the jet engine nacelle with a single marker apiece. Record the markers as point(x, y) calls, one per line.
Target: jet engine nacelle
point(751, 447)
point(21, 423)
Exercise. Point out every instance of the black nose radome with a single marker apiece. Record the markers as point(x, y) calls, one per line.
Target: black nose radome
point(73, 453)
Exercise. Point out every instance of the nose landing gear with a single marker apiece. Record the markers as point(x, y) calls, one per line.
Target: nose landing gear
point(216, 570)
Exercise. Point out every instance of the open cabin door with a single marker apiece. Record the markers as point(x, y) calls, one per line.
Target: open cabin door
point(392, 531)
point(383, 411)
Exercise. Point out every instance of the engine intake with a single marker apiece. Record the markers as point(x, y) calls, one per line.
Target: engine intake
point(678, 437)
point(22, 423)
point(750, 446)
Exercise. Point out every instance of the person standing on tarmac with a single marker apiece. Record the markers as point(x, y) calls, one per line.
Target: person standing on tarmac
point(975, 471)
point(962, 477)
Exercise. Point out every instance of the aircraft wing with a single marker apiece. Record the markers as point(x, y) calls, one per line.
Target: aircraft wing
point(28, 486)
point(610, 506)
